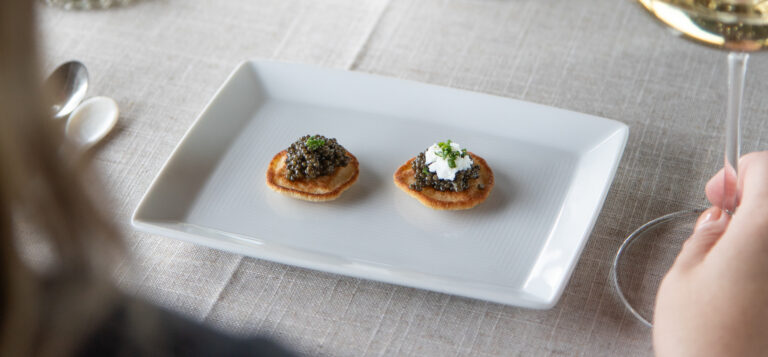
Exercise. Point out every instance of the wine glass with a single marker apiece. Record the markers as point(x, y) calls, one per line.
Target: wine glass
point(737, 26)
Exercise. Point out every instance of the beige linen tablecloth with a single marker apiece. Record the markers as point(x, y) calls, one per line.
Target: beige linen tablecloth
point(162, 60)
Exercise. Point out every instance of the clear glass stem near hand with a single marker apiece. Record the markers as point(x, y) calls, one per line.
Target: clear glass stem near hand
point(637, 305)
point(737, 68)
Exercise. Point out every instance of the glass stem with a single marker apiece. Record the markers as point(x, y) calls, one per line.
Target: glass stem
point(737, 68)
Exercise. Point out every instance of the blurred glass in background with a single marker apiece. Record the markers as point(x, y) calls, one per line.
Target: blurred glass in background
point(87, 4)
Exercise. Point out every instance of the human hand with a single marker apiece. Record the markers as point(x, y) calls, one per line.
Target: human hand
point(714, 299)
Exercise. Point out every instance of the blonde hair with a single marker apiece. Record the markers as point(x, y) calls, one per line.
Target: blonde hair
point(44, 311)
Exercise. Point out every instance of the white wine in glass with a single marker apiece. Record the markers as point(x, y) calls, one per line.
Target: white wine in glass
point(738, 26)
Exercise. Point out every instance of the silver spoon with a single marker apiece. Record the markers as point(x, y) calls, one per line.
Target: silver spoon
point(67, 86)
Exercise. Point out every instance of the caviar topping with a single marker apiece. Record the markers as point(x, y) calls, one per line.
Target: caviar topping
point(424, 178)
point(314, 156)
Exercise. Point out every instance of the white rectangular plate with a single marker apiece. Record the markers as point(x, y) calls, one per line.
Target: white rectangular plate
point(552, 167)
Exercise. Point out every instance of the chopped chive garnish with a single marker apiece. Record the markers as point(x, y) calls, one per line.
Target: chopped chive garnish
point(446, 152)
point(314, 143)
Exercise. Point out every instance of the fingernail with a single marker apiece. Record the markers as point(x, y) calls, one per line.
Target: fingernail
point(713, 215)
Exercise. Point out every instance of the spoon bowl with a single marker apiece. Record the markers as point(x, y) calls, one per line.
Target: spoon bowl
point(67, 86)
point(92, 121)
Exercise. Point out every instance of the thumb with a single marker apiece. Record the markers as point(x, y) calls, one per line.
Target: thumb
point(708, 229)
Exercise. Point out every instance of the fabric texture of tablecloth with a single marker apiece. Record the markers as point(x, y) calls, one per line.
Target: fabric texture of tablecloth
point(162, 60)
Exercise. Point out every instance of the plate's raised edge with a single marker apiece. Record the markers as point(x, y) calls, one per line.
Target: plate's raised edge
point(203, 113)
point(438, 283)
point(254, 63)
point(623, 130)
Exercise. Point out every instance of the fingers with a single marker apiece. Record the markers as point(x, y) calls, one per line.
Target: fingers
point(714, 189)
point(753, 180)
point(748, 228)
point(720, 183)
point(708, 229)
